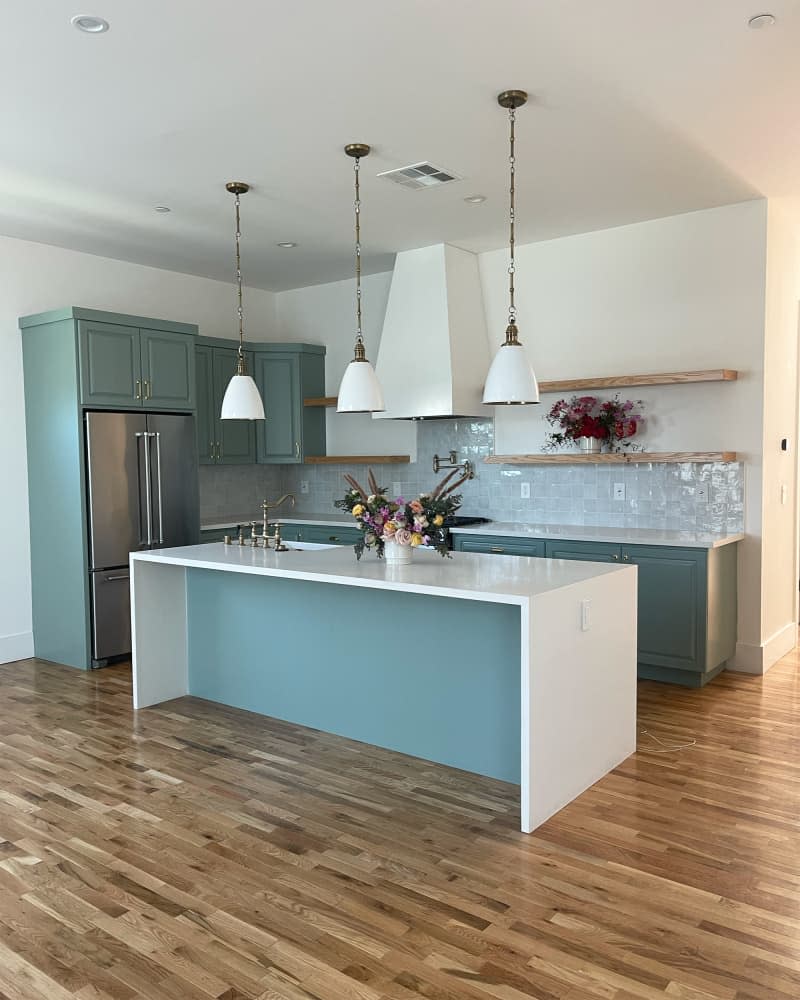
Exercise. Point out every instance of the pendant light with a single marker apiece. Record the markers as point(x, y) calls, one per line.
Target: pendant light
point(360, 390)
point(242, 400)
point(511, 380)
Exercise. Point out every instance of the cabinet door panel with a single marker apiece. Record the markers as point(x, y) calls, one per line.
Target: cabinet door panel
point(235, 439)
point(499, 545)
point(204, 398)
point(583, 551)
point(671, 606)
point(168, 370)
point(278, 380)
point(110, 361)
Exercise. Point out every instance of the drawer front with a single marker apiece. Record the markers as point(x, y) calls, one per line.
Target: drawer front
point(498, 545)
point(324, 534)
point(584, 551)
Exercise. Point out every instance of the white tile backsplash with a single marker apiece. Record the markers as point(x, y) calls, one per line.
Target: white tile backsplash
point(656, 496)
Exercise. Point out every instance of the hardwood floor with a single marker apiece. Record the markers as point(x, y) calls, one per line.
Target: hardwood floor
point(194, 851)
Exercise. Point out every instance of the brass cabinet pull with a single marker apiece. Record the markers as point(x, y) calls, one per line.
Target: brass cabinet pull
point(211, 450)
point(626, 557)
point(497, 549)
point(333, 538)
point(219, 452)
point(138, 388)
point(615, 558)
point(147, 388)
point(297, 449)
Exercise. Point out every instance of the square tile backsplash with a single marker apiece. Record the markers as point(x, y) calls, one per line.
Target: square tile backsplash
point(686, 497)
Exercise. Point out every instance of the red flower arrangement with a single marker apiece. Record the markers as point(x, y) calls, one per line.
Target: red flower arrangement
point(611, 421)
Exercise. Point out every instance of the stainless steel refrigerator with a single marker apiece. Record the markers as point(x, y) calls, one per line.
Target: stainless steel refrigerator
point(142, 494)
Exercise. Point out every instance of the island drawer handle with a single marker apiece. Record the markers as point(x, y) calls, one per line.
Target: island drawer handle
point(497, 549)
point(333, 538)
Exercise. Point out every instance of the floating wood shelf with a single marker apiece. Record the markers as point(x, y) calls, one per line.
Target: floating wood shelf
point(601, 382)
point(357, 459)
point(622, 381)
point(614, 458)
point(321, 401)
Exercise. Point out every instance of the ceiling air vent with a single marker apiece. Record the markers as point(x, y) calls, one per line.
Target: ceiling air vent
point(419, 175)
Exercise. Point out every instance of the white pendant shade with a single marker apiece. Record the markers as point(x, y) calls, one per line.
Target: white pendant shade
point(242, 400)
point(510, 379)
point(360, 391)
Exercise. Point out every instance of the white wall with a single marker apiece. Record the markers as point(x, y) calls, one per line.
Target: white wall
point(34, 278)
point(325, 314)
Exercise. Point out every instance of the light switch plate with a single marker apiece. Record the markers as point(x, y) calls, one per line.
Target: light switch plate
point(304, 486)
point(586, 614)
point(525, 491)
point(619, 491)
point(701, 494)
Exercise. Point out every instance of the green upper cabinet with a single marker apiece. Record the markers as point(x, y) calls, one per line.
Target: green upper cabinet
point(205, 420)
point(235, 439)
point(134, 362)
point(220, 442)
point(287, 374)
point(168, 377)
point(111, 366)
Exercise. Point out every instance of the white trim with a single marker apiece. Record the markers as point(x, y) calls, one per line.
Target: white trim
point(751, 659)
point(16, 647)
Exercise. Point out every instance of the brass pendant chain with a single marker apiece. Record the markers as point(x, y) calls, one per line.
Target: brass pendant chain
point(240, 309)
point(360, 353)
point(512, 310)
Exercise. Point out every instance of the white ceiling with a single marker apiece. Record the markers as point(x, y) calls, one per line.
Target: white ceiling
point(642, 108)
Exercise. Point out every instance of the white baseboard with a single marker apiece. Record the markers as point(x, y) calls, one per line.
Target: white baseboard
point(16, 647)
point(752, 659)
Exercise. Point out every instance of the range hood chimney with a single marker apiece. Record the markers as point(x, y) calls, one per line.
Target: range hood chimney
point(434, 350)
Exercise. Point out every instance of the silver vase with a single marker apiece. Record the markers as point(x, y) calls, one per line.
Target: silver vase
point(589, 445)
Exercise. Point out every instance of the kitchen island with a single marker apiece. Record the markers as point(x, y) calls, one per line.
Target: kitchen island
point(521, 669)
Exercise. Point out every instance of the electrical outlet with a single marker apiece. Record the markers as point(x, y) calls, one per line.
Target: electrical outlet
point(397, 489)
point(586, 614)
point(701, 494)
point(304, 486)
point(619, 491)
point(525, 491)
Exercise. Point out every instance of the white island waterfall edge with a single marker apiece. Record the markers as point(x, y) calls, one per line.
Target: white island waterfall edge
point(577, 642)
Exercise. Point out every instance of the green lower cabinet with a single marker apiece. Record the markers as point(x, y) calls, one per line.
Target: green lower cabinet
point(499, 545)
point(329, 534)
point(292, 532)
point(686, 599)
point(584, 551)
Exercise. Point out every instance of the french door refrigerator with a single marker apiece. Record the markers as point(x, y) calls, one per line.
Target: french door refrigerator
point(142, 494)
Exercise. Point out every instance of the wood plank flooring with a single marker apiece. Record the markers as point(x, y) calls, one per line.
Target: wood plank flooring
point(193, 852)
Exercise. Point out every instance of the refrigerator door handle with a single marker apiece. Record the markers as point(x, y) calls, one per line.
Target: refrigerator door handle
point(147, 485)
point(116, 577)
point(157, 436)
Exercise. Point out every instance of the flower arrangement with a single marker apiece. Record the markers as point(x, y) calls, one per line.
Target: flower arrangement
point(407, 523)
point(612, 421)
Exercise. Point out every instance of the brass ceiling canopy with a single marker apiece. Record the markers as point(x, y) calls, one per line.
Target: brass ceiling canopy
point(237, 187)
point(512, 99)
point(357, 149)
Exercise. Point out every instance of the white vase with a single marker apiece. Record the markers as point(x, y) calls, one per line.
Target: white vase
point(396, 554)
point(589, 445)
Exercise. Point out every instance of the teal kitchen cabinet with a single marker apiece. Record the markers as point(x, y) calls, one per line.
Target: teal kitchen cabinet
point(286, 374)
point(128, 361)
point(584, 551)
point(220, 442)
point(687, 611)
point(330, 534)
point(499, 545)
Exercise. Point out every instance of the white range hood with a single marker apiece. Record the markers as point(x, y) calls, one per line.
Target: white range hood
point(434, 350)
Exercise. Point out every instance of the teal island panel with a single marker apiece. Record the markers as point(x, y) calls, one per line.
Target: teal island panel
point(434, 677)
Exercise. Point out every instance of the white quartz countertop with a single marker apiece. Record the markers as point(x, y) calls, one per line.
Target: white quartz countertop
point(470, 576)
point(619, 536)
point(216, 523)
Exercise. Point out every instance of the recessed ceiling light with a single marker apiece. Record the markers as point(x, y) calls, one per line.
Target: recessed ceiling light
point(761, 21)
point(162, 208)
point(89, 23)
point(287, 245)
point(475, 199)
